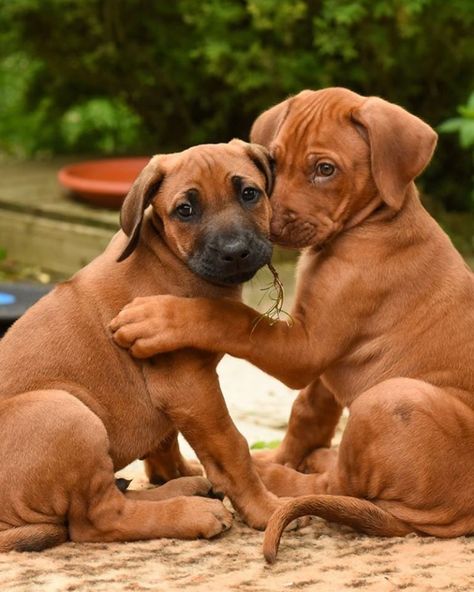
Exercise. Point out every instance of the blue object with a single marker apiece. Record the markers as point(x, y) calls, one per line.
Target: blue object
point(6, 298)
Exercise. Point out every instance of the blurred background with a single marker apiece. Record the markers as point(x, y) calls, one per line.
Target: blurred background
point(119, 77)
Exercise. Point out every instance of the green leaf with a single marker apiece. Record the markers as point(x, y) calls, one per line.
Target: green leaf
point(470, 101)
point(466, 111)
point(466, 134)
point(451, 125)
point(261, 444)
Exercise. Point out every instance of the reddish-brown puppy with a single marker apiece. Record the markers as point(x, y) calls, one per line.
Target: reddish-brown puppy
point(74, 407)
point(383, 323)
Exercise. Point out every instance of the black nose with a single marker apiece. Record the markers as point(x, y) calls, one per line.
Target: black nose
point(233, 250)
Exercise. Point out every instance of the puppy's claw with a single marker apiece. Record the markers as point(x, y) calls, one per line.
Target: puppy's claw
point(122, 483)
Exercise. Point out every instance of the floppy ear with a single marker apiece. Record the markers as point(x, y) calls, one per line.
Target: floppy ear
point(266, 126)
point(261, 159)
point(401, 146)
point(138, 199)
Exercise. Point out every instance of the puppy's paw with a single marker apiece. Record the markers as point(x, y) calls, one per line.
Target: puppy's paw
point(284, 481)
point(153, 324)
point(191, 486)
point(208, 518)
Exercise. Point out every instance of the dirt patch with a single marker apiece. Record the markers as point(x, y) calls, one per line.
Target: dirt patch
point(319, 557)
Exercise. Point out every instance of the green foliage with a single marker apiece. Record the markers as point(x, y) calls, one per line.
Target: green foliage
point(464, 124)
point(100, 125)
point(261, 445)
point(133, 75)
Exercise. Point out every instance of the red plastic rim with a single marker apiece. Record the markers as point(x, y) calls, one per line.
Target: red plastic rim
point(103, 181)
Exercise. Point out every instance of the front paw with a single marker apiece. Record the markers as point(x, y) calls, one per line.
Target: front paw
point(146, 328)
point(196, 517)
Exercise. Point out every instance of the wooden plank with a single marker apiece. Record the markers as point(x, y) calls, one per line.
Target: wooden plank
point(53, 245)
point(32, 187)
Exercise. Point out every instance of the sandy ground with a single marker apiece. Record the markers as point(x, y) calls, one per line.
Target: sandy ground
point(319, 557)
point(316, 558)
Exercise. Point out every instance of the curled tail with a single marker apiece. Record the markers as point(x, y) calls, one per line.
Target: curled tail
point(360, 514)
point(32, 537)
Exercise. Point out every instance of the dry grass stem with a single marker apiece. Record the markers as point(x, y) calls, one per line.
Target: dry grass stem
point(275, 292)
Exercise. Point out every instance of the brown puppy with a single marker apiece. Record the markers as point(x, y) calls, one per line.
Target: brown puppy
point(383, 323)
point(74, 408)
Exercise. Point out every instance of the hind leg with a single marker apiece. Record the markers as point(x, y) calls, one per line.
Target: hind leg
point(404, 466)
point(166, 462)
point(406, 448)
point(112, 516)
point(56, 470)
point(100, 512)
point(313, 420)
point(286, 482)
point(188, 486)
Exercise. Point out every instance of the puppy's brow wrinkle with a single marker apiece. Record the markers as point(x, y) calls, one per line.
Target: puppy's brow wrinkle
point(208, 162)
point(236, 181)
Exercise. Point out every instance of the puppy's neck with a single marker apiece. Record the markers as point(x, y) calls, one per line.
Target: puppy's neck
point(378, 214)
point(387, 231)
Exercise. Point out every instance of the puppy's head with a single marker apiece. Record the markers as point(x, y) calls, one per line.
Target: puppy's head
point(210, 205)
point(338, 157)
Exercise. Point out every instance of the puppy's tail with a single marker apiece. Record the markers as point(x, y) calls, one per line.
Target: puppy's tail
point(360, 514)
point(32, 537)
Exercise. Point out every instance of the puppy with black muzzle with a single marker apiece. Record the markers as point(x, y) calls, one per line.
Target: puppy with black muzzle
point(75, 408)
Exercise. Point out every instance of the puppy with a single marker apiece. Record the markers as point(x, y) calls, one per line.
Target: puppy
point(382, 324)
point(74, 407)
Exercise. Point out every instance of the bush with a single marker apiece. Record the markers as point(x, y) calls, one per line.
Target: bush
point(108, 75)
point(464, 126)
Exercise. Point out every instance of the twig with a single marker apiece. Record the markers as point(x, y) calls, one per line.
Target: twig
point(276, 293)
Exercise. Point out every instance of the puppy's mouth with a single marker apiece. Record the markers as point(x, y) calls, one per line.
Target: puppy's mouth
point(231, 280)
point(225, 268)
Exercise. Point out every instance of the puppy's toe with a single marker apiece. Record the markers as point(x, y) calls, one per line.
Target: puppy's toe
point(215, 519)
point(202, 486)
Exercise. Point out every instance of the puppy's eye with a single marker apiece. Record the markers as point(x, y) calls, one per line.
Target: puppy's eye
point(325, 169)
point(185, 210)
point(250, 194)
